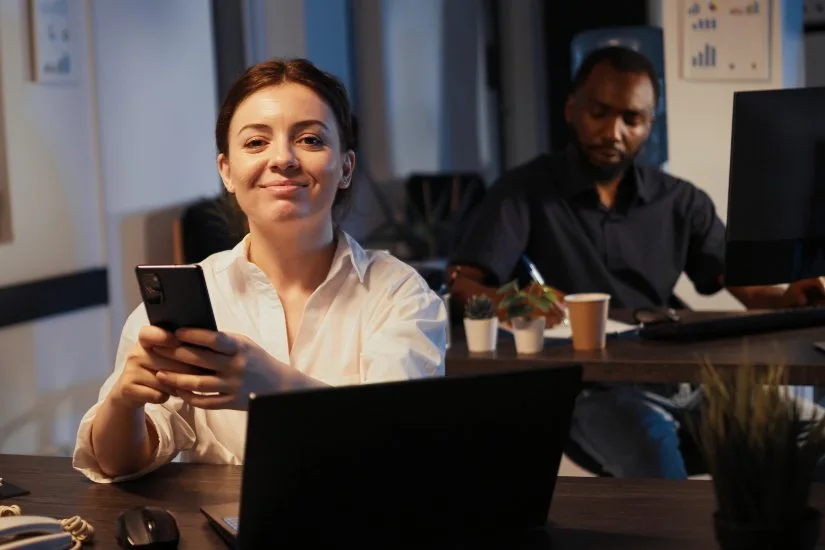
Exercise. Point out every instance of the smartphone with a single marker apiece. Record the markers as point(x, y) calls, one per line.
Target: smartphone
point(175, 296)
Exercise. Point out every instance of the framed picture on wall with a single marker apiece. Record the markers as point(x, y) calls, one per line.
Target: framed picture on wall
point(726, 40)
point(52, 41)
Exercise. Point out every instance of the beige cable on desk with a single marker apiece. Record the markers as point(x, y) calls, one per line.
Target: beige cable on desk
point(80, 530)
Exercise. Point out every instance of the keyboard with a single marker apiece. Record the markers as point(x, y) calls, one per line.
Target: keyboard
point(710, 325)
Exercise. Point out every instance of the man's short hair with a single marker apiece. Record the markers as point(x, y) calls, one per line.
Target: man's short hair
point(620, 58)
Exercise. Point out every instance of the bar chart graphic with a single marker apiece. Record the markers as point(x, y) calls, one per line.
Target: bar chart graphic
point(726, 40)
point(705, 24)
point(705, 57)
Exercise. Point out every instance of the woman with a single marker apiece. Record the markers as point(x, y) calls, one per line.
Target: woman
point(299, 304)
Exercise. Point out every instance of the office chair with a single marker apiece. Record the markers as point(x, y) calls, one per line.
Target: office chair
point(438, 206)
point(203, 229)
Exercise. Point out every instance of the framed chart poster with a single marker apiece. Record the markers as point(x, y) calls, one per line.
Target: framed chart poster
point(726, 40)
point(52, 40)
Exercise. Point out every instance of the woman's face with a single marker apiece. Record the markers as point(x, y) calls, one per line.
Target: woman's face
point(285, 161)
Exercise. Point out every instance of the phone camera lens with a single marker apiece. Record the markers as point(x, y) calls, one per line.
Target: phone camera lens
point(153, 293)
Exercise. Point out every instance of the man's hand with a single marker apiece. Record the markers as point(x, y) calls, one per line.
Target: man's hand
point(801, 293)
point(466, 283)
point(804, 293)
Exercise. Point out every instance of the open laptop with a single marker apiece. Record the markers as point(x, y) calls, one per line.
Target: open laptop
point(439, 459)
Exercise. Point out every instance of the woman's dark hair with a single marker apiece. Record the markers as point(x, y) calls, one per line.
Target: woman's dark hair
point(281, 71)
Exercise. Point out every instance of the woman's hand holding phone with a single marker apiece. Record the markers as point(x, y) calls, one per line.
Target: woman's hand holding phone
point(138, 384)
point(239, 365)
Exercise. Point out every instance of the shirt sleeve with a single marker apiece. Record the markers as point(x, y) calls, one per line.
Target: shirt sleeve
point(175, 434)
point(496, 235)
point(407, 334)
point(706, 249)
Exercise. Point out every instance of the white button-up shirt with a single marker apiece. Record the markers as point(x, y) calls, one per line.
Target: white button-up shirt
point(373, 319)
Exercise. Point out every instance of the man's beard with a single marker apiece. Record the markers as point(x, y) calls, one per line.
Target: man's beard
point(601, 173)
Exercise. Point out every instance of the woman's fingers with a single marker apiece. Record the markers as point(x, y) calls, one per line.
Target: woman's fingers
point(215, 401)
point(194, 382)
point(141, 393)
point(197, 358)
point(150, 337)
point(157, 360)
point(220, 342)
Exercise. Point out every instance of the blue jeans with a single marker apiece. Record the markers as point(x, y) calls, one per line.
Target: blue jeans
point(635, 430)
point(643, 430)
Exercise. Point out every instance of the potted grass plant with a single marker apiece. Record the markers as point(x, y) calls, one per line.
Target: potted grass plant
point(525, 309)
point(761, 456)
point(481, 324)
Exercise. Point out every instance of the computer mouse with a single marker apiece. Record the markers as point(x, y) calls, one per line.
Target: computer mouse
point(147, 527)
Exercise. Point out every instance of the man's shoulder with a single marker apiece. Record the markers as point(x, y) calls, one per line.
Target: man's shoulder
point(664, 183)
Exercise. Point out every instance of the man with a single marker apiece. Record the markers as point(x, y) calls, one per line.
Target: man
point(593, 220)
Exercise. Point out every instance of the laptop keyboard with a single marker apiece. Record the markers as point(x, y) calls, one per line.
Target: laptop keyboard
point(232, 522)
point(746, 323)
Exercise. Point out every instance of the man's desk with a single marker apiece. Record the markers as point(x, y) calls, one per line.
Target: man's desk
point(629, 358)
point(586, 512)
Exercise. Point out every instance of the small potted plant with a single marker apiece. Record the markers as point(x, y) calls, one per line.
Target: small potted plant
point(480, 324)
point(525, 309)
point(761, 455)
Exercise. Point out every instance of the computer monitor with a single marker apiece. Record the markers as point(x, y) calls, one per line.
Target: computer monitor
point(776, 194)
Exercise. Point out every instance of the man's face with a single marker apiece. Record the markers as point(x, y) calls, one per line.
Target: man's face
point(611, 115)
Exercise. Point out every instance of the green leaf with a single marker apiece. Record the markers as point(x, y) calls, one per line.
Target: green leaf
point(505, 302)
point(539, 302)
point(512, 286)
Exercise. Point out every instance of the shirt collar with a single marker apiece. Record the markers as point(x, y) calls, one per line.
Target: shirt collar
point(573, 182)
point(347, 250)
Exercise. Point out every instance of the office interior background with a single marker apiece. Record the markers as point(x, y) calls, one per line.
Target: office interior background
point(98, 170)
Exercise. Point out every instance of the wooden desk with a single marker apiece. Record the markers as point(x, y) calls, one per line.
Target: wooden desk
point(632, 359)
point(586, 512)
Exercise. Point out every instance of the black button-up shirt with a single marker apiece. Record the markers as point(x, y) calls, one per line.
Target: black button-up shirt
point(659, 227)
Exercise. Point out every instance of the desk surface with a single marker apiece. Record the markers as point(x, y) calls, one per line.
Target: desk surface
point(632, 359)
point(586, 512)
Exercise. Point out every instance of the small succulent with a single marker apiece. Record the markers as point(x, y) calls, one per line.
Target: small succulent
point(480, 307)
point(524, 302)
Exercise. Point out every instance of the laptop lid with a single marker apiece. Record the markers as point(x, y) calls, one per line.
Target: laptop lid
point(438, 458)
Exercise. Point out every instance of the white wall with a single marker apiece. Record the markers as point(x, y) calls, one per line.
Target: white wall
point(699, 114)
point(50, 369)
point(51, 157)
point(98, 170)
point(156, 113)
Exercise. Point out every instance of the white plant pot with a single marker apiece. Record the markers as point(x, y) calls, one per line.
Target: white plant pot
point(529, 334)
point(482, 334)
